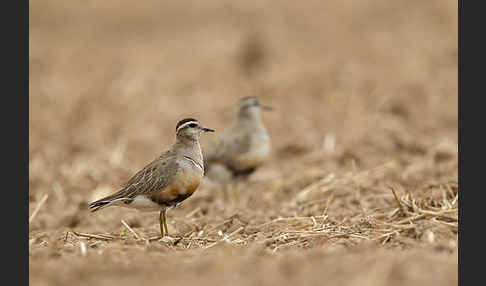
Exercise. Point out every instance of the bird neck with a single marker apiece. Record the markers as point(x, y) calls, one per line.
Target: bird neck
point(190, 147)
point(250, 119)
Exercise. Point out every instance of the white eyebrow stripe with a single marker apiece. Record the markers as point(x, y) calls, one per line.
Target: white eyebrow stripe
point(194, 162)
point(187, 123)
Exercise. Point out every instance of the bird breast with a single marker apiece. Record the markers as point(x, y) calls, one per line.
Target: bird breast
point(184, 184)
point(257, 153)
point(183, 187)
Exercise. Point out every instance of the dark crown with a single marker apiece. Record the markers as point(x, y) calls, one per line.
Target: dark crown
point(185, 120)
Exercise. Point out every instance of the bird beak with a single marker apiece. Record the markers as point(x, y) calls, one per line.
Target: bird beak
point(266, 107)
point(207, 129)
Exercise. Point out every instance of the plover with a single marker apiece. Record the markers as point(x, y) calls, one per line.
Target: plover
point(245, 145)
point(168, 180)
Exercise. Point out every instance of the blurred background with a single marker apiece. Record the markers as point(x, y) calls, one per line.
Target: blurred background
point(354, 84)
point(111, 71)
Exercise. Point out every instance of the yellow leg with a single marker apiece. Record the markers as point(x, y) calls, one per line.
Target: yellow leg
point(165, 223)
point(162, 222)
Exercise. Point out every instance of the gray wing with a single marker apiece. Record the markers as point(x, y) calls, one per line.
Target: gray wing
point(155, 176)
point(224, 149)
point(237, 145)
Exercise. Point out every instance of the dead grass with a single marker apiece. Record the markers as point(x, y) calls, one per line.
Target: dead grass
point(362, 185)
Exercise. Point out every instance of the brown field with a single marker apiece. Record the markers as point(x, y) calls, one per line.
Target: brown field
point(365, 97)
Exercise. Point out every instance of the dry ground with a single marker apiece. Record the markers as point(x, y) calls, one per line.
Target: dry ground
point(366, 100)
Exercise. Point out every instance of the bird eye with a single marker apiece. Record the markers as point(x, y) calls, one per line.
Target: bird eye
point(193, 125)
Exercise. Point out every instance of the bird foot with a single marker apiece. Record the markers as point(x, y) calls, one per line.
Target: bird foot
point(167, 239)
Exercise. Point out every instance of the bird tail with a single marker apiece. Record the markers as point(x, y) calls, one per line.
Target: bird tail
point(107, 201)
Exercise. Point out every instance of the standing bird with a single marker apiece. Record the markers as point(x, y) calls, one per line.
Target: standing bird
point(168, 180)
point(245, 145)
